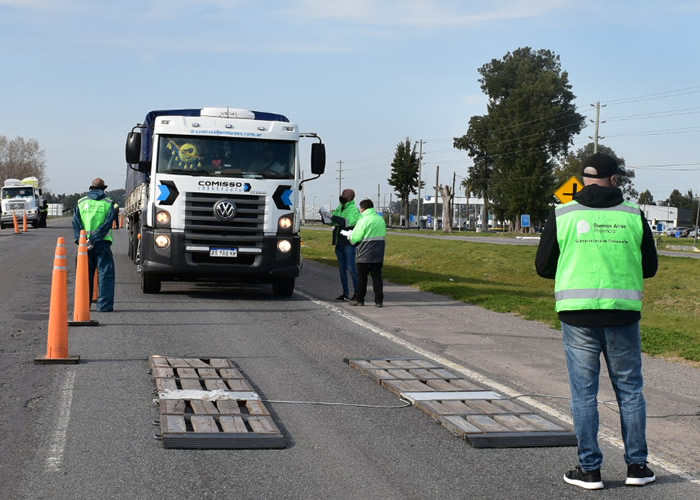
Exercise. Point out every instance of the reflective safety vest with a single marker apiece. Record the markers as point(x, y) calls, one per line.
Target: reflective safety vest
point(93, 214)
point(370, 237)
point(600, 260)
point(350, 213)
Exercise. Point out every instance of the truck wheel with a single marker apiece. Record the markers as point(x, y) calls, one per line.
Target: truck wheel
point(149, 283)
point(283, 287)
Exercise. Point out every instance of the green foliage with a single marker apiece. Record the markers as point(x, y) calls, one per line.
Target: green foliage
point(530, 122)
point(502, 278)
point(678, 200)
point(404, 172)
point(646, 198)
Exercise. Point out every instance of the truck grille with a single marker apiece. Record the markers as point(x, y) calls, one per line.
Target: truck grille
point(203, 228)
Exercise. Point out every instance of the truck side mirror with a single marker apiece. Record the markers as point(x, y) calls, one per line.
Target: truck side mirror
point(133, 148)
point(318, 158)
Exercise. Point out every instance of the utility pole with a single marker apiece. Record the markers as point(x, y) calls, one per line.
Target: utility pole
point(379, 198)
point(420, 178)
point(454, 199)
point(437, 182)
point(340, 177)
point(597, 126)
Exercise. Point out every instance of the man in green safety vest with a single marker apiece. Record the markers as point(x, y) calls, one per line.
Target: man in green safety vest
point(599, 248)
point(95, 213)
point(369, 236)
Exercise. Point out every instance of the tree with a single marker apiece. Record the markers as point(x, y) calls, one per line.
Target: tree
point(530, 123)
point(20, 158)
point(404, 173)
point(646, 198)
point(678, 200)
point(572, 165)
point(675, 199)
point(447, 195)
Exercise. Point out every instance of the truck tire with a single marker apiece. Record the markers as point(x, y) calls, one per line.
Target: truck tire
point(283, 287)
point(149, 283)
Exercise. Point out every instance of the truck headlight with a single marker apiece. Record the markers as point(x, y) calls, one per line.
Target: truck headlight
point(162, 241)
point(163, 217)
point(285, 222)
point(284, 246)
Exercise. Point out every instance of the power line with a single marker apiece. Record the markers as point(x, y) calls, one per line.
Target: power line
point(656, 114)
point(668, 131)
point(659, 95)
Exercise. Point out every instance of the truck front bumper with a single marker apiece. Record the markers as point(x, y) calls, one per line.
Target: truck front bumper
point(180, 262)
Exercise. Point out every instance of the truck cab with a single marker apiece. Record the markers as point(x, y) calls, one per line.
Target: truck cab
point(213, 194)
point(20, 198)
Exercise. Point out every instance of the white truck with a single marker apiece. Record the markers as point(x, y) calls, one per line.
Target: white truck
point(212, 194)
point(20, 197)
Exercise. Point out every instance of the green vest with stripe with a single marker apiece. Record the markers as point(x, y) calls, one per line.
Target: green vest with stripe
point(93, 214)
point(600, 260)
point(370, 237)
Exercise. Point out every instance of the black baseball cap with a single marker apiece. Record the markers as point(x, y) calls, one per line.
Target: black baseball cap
point(604, 165)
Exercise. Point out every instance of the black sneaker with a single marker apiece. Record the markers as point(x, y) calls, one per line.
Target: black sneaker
point(589, 480)
point(379, 304)
point(342, 298)
point(639, 475)
point(357, 302)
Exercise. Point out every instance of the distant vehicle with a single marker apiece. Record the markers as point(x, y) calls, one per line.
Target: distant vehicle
point(693, 233)
point(675, 230)
point(21, 197)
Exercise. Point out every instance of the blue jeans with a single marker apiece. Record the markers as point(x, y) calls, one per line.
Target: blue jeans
point(346, 263)
point(100, 259)
point(621, 348)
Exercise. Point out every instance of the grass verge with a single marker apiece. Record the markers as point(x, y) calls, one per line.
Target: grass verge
point(502, 278)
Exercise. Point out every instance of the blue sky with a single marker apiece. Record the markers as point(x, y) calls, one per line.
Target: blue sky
point(364, 75)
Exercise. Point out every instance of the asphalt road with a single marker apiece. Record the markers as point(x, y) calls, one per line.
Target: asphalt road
point(86, 431)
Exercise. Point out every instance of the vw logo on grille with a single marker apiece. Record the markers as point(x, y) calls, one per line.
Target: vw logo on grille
point(225, 210)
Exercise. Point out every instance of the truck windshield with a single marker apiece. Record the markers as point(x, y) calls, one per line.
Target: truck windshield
point(17, 192)
point(223, 157)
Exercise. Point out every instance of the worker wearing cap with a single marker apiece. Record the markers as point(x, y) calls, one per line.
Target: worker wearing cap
point(95, 214)
point(599, 248)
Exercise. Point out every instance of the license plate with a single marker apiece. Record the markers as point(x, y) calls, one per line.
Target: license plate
point(223, 252)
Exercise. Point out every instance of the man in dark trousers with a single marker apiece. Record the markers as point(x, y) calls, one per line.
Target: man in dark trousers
point(599, 248)
point(369, 236)
point(95, 213)
point(344, 218)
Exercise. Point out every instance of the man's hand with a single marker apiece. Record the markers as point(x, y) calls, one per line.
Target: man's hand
point(347, 233)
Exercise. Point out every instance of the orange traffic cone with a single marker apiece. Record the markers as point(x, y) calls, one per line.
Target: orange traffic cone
point(96, 287)
point(24, 222)
point(57, 343)
point(81, 302)
point(15, 222)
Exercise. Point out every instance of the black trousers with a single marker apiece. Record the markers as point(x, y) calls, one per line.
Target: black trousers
point(365, 269)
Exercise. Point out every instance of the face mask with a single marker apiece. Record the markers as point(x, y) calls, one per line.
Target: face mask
point(343, 199)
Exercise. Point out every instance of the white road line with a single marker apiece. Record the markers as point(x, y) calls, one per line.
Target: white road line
point(54, 461)
point(552, 412)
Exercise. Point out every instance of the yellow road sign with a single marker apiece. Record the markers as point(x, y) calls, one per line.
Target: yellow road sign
point(568, 190)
